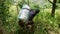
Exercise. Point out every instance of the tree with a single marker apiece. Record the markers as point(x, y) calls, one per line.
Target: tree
point(58, 1)
point(53, 7)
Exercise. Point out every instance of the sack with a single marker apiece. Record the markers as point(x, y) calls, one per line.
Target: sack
point(24, 13)
point(33, 12)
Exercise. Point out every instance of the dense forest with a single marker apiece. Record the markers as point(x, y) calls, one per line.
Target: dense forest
point(47, 21)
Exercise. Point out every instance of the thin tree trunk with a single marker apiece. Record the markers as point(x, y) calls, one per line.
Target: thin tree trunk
point(53, 8)
point(28, 2)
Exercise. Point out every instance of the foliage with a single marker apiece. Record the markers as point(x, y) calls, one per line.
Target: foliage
point(43, 20)
point(58, 1)
point(8, 20)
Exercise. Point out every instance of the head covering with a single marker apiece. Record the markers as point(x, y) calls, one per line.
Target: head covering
point(26, 6)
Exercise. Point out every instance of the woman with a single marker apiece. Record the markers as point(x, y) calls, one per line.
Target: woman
point(28, 16)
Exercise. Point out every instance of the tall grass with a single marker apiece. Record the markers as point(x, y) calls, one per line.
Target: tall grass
point(42, 21)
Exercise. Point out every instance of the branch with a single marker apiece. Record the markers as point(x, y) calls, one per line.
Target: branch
point(50, 1)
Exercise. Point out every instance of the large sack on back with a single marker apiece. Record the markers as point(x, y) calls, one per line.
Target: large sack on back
point(33, 13)
point(24, 13)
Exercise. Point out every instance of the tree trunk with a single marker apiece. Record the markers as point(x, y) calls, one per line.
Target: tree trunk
point(53, 8)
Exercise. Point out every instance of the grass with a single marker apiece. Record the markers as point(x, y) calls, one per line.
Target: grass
point(43, 20)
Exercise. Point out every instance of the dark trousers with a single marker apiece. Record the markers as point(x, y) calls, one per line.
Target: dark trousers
point(29, 25)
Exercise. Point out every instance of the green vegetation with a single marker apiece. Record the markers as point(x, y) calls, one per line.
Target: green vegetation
point(44, 23)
